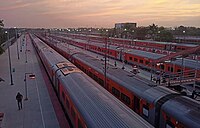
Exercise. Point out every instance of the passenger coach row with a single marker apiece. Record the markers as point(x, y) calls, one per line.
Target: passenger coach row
point(169, 46)
point(158, 105)
point(86, 103)
point(136, 57)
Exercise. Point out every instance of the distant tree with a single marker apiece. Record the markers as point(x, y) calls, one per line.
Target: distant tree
point(2, 35)
point(1, 24)
point(153, 30)
point(165, 35)
point(141, 32)
point(186, 31)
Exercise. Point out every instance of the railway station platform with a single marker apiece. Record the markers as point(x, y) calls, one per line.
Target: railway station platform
point(41, 110)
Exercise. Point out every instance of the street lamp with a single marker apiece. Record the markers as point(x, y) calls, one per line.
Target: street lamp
point(195, 80)
point(133, 32)
point(182, 71)
point(123, 53)
point(20, 42)
point(159, 35)
point(8, 45)
point(26, 47)
point(17, 43)
point(105, 57)
point(31, 76)
point(183, 36)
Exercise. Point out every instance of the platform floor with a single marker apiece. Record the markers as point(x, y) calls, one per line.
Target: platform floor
point(39, 111)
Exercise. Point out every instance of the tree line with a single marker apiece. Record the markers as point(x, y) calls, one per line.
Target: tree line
point(3, 36)
point(154, 32)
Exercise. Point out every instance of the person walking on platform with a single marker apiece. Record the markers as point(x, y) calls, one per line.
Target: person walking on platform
point(158, 79)
point(19, 98)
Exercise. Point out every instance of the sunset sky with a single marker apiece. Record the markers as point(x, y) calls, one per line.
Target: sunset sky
point(99, 13)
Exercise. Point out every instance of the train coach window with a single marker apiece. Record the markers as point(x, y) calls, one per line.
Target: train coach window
point(179, 70)
point(125, 98)
point(115, 92)
point(168, 68)
point(95, 78)
point(141, 61)
point(90, 74)
point(135, 59)
point(130, 58)
point(147, 62)
point(101, 82)
point(162, 66)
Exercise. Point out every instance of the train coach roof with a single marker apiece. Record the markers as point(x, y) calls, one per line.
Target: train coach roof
point(97, 106)
point(52, 56)
point(153, 94)
point(185, 110)
point(144, 54)
point(130, 81)
point(132, 51)
point(188, 45)
point(188, 63)
point(156, 42)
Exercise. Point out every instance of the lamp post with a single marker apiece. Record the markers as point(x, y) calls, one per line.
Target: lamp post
point(105, 57)
point(21, 43)
point(159, 35)
point(17, 42)
point(151, 70)
point(105, 68)
point(133, 32)
point(123, 53)
point(196, 70)
point(8, 45)
point(26, 48)
point(183, 36)
point(31, 76)
point(181, 77)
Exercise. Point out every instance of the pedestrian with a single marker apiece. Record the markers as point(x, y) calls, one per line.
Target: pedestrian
point(19, 98)
point(158, 79)
point(115, 64)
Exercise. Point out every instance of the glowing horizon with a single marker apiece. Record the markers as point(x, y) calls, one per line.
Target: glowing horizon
point(104, 13)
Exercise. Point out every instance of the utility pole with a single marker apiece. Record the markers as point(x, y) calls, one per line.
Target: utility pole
point(17, 42)
point(11, 79)
point(105, 65)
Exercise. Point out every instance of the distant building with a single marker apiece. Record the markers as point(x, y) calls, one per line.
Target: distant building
point(128, 26)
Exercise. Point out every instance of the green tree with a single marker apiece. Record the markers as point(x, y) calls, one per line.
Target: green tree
point(140, 33)
point(165, 35)
point(153, 30)
point(1, 24)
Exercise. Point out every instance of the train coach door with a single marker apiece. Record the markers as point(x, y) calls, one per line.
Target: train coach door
point(136, 106)
point(120, 55)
